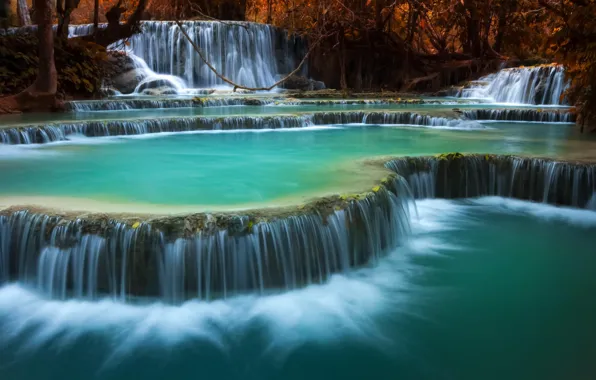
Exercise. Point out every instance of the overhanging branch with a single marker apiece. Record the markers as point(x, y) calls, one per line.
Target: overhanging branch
point(236, 85)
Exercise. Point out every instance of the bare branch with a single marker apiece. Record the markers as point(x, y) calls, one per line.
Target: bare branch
point(236, 85)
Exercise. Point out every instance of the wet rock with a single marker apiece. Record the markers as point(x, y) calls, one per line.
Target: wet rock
point(128, 81)
point(237, 224)
point(159, 91)
point(121, 72)
point(105, 92)
point(156, 87)
point(540, 91)
point(210, 224)
point(253, 102)
point(297, 82)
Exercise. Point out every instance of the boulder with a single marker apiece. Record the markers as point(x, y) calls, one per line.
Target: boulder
point(160, 84)
point(106, 92)
point(158, 91)
point(128, 81)
point(121, 72)
point(298, 82)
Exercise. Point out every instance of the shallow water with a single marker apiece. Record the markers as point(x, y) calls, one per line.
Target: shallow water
point(233, 168)
point(485, 289)
point(9, 120)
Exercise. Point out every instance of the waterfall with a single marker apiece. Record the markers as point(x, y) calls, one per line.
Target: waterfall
point(534, 179)
point(41, 134)
point(151, 103)
point(202, 256)
point(217, 100)
point(591, 205)
point(250, 54)
point(543, 116)
point(521, 85)
point(47, 133)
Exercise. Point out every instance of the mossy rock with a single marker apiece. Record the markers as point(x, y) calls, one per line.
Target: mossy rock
point(449, 156)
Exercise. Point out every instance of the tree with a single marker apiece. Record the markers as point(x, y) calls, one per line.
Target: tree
point(4, 13)
point(573, 43)
point(64, 9)
point(41, 95)
point(23, 12)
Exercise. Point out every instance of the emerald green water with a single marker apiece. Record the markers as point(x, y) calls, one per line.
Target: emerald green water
point(245, 167)
point(486, 289)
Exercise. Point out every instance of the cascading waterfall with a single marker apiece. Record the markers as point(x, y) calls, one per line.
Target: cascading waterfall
point(521, 85)
point(151, 103)
point(128, 104)
point(534, 179)
point(248, 53)
point(41, 134)
point(123, 103)
point(89, 258)
point(544, 116)
point(378, 118)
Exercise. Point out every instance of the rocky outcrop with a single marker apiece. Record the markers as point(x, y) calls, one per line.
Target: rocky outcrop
point(121, 73)
point(296, 82)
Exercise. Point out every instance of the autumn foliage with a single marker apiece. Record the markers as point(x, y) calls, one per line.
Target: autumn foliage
point(404, 39)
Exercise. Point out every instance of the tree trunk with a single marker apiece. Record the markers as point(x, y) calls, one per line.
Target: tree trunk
point(63, 23)
point(41, 95)
point(47, 77)
point(115, 30)
point(473, 42)
point(23, 12)
point(95, 16)
point(507, 8)
point(4, 13)
point(269, 11)
point(64, 9)
point(343, 82)
point(379, 5)
point(486, 48)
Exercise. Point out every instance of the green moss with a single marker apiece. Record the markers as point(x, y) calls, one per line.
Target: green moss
point(449, 156)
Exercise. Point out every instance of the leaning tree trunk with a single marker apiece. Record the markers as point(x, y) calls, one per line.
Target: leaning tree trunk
point(64, 9)
point(23, 12)
point(116, 30)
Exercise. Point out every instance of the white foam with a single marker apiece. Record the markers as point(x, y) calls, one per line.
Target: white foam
point(347, 306)
point(19, 152)
point(573, 216)
point(455, 125)
point(352, 306)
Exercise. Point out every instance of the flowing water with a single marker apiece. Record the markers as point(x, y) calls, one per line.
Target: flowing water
point(235, 168)
point(490, 289)
point(249, 54)
point(542, 85)
point(387, 287)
